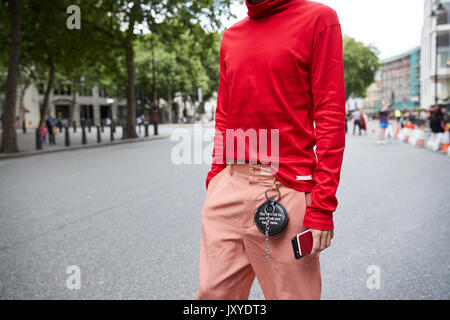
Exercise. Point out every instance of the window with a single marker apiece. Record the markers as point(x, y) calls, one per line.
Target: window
point(444, 17)
point(443, 54)
point(443, 40)
point(85, 92)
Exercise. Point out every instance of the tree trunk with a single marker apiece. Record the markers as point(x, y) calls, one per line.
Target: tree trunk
point(48, 90)
point(9, 139)
point(130, 94)
point(170, 103)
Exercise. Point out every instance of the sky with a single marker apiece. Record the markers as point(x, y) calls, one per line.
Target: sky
point(393, 26)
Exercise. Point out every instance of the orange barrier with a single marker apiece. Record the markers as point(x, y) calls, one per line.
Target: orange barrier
point(417, 137)
point(446, 143)
point(434, 141)
point(398, 131)
point(411, 127)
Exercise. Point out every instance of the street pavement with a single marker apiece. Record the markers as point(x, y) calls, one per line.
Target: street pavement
point(129, 218)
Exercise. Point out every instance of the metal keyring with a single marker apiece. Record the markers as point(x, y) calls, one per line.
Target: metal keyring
point(272, 188)
point(273, 209)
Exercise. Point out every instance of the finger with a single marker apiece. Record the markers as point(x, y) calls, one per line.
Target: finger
point(323, 240)
point(316, 243)
point(328, 238)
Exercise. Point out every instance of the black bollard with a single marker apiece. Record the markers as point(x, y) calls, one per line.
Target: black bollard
point(112, 131)
point(38, 139)
point(103, 127)
point(155, 118)
point(89, 126)
point(99, 135)
point(146, 129)
point(83, 135)
point(67, 136)
point(60, 126)
point(124, 130)
point(74, 126)
point(24, 126)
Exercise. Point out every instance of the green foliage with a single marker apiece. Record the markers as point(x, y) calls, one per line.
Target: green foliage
point(181, 34)
point(182, 64)
point(360, 66)
point(5, 30)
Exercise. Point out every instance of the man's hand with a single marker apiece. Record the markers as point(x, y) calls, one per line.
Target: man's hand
point(321, 239)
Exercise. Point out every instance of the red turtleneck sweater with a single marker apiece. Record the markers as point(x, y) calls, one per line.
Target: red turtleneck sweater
point(282, 68)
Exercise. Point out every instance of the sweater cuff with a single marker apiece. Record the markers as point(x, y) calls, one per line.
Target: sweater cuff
point(318, 219)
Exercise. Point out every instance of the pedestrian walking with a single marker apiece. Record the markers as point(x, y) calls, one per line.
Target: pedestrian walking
point(412, 117)
point(364, 121)
point(445, 117)
point(384, 122)
point(346, 120)
point(43, 132)
point(398, 115)
point(403, 119)
point(51, 130)
point(437, 123)
point(281, 72)
point(356, 116)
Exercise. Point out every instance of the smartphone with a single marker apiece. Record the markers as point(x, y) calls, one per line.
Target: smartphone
point(302, 244)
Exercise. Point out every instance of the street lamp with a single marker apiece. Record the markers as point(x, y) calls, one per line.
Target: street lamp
point(435, 14)
point(155, 108)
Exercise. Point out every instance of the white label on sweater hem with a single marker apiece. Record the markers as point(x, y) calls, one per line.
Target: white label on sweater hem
point(304, 178)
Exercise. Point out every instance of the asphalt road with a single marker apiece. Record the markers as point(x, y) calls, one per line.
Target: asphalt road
point(130, 220)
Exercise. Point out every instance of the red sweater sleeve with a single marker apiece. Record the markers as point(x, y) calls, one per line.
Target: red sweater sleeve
point(328, 90)
point(218, 156)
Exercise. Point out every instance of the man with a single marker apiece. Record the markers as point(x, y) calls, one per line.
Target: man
point(384, 122)
point(50, 123)
point(437, 123)
point(281, 71)
point(398, 115)
point(356, 116)
point(346, 120)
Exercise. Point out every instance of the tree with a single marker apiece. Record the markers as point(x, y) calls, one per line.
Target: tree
point(9, 141)
point(116, 20)
point(50, 47)
point(103, 50)
point(183, 63)
point(360, 66)
point(44, 42)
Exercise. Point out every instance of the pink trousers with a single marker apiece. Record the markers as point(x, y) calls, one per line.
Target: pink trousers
point(232, 248)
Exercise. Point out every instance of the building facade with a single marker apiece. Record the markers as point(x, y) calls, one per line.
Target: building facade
point(400, 79)
point(435, 48)
point(94, 106)
point(372, 101)
point(91, 105)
